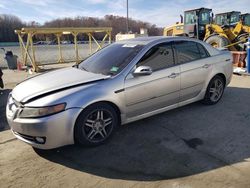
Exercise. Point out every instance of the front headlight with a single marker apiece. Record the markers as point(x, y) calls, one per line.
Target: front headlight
point(33, 112)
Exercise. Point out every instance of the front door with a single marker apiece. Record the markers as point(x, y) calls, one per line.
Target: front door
point(160, 89)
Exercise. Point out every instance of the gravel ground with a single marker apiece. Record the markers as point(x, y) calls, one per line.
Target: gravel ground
point(193, 146)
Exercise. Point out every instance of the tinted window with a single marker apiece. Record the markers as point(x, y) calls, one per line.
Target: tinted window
point(187, 51)
point(246, 20)
point(203, 51)
point(204, 17)
point(190, 17)
point(158, 57)
point(111, 59)
point(234, 18)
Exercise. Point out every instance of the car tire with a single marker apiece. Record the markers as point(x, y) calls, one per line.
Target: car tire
point(217, 41)
point(214, 90)
point(95, 124)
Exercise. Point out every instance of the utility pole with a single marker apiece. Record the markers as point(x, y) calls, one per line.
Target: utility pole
point(127, 18)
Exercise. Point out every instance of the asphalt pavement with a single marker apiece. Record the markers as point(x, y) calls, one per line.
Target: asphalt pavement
point(192, 146)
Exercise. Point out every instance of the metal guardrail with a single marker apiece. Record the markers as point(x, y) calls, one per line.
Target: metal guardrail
point(29, 33)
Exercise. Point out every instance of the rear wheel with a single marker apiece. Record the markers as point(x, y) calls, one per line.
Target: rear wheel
point(214, 91)
point(95, 124)
point(217, 41)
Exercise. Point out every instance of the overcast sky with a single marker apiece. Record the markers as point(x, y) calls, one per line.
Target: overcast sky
point(159, 12)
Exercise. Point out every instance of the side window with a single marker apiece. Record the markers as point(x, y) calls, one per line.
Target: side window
point(187, 51)
point(159, 57)
point(203, 51)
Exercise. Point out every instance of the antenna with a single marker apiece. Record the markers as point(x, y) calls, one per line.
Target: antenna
point(127, 18)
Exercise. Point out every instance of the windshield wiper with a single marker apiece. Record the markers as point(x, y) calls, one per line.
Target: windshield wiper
point(111, 73)
point(76, 66)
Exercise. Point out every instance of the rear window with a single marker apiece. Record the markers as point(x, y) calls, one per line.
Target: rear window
point(190, 51)
point(203, 51)
point(187, 51)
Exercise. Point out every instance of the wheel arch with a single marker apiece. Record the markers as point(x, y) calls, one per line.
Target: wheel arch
point(222, 76)
point(113, 105)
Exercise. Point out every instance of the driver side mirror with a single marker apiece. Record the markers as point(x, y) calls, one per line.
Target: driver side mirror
point(142, 71)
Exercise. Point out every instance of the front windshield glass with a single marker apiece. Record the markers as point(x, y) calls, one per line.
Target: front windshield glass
point(234, 18)
point(112, 59)
point(190, 17)
point(221, 19)
point(204, 17)
point(246, 20)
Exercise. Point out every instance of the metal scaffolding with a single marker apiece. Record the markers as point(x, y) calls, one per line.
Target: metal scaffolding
point(58, 32)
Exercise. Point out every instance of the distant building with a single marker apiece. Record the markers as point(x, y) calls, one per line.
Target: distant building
point(120, 36)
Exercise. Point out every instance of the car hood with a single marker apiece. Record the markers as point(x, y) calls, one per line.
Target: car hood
point(52, 82)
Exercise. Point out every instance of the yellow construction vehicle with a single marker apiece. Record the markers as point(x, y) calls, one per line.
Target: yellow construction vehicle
point(226, 31)
point(246, 22)
point(194, 24)
point(174, 30)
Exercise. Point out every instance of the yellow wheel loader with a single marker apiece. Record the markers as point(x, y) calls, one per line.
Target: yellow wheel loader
point(174, 30)
point(226, 31)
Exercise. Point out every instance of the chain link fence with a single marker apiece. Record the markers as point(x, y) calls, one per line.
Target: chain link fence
point(46, 54)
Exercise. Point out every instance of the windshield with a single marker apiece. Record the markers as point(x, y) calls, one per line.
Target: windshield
point(225, 19)
point(190, 17)
point(221, 19)
point(235, 17)
point(204, 17)
point(246, 20)
point(112, 59)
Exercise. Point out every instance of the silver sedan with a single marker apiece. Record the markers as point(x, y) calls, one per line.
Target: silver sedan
point(124, 82)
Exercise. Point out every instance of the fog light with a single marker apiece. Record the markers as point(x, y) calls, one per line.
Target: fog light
point(40, 140)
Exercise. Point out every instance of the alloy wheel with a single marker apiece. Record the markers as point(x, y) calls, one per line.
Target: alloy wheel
point(98, 125)
point(216, 90)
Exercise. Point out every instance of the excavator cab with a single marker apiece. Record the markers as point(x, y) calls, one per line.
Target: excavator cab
point(195, 22)
point(245, 19)
point(246, 22)
point(227, 18)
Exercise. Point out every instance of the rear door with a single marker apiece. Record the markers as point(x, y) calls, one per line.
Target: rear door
point(194, 67)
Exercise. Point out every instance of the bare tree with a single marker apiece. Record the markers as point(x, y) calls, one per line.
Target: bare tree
point(8, 23)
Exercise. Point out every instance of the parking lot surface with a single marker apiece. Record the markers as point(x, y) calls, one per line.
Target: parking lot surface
point(192, 146)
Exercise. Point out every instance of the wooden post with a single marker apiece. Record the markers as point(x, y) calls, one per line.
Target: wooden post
point(76, 47)
point(26, 49)
point(90, 43)
point(21, 47)
point(109, 37)
point(34, 65)
point(60, 60)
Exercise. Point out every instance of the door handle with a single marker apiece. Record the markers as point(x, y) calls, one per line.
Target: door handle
point(205, 66)
point(173, 75)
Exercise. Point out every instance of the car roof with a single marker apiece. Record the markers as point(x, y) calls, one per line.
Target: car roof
point(146, 40)
point(152, 40)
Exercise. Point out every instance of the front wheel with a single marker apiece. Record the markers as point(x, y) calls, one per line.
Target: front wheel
point(214, 91)
point(95, 124)
point(217, 41)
